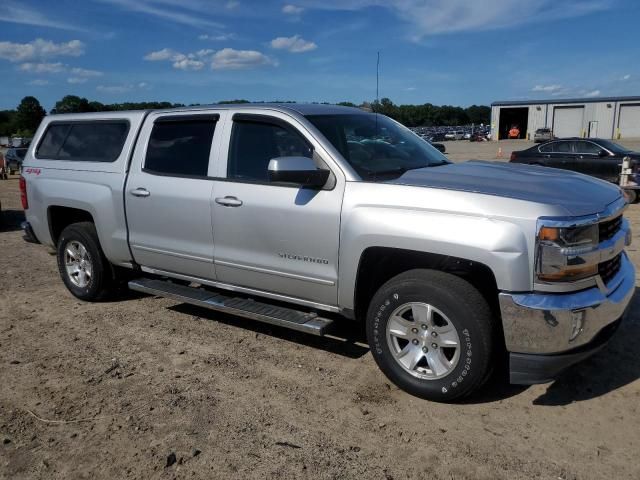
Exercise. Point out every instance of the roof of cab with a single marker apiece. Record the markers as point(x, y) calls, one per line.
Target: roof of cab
point(299, 108)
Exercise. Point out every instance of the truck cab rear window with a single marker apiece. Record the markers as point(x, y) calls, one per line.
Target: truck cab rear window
point(83, 141)
point(180, 147)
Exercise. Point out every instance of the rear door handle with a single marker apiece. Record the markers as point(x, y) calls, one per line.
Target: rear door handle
point(229, 201)
point(140, 192)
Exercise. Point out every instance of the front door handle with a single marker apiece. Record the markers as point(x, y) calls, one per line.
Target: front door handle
point(140, 192)
point(229, 201)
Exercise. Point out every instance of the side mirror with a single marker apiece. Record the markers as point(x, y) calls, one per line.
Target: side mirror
point(299, 170)
point(603, 153)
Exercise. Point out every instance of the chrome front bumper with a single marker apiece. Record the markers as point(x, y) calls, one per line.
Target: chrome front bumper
point(552, 323)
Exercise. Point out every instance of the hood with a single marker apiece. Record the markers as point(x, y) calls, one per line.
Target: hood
point(578, 194)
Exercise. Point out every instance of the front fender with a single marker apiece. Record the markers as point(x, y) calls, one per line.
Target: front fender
point(496, 243)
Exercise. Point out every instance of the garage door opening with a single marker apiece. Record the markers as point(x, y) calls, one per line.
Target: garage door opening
point(629, 121)
point(513, 117)
point(567, 121)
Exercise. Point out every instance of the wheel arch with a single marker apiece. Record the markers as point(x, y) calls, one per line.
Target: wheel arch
point(378, 264)
point(59, 217)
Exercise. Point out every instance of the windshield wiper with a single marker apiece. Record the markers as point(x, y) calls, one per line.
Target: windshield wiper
point(391, 171)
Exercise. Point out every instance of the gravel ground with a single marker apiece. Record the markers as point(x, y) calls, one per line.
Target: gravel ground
point(148, 388)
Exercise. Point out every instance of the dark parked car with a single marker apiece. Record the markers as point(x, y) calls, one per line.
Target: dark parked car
point(592, 156)
point(13, 159)
point(478, 137)
point(439, 146)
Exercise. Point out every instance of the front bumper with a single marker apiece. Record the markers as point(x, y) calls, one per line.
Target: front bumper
point(569, 325)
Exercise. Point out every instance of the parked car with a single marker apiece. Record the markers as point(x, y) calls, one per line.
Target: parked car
point(279, 213)
point(439, 146)
point(455, 135)
point(543, 135)
point(592, 156)
point(13, 158)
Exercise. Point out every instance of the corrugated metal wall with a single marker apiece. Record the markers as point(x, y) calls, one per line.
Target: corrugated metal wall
point(604, 114)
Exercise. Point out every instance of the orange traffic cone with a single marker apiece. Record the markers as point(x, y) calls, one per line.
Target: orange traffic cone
point(499, 155)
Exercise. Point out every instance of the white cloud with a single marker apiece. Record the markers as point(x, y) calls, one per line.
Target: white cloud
point(431, 17)
point(39, 82)
point(292, 9)
point(40, 49)
point(182, 61)
point(295, 44)
point(76, 80)
point(592, 93)
point(186, 63)
point(42, 67)
point(410, 89)
point(231, 4)
point(225, 59)
point(83, 72)
point(223, 37)
point(546, 88)
point(13, 12)
point(626, 77)
point(231, 59)
point(172, 11)
point(164, 54)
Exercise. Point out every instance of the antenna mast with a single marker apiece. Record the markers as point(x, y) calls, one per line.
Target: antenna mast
point(378, 78)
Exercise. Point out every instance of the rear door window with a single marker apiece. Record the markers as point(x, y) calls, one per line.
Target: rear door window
point(547, 148)
point(180, 146)
point(588, 148)
point(562, 147)
point(97, 141)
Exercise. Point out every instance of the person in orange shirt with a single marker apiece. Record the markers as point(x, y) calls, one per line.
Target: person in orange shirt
point(514, 132)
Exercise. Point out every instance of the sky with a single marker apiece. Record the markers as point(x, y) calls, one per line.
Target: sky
point(456, 52)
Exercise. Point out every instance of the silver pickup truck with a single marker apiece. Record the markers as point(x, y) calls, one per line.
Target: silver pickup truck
point(307, 215)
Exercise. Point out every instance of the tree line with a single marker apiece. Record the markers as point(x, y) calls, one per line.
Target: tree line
point(24, 120)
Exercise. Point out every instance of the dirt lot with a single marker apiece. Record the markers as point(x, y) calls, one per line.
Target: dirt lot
point(125, 389)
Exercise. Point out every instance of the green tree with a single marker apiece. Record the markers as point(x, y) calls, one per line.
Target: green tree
point(72, 104)
point(7, 122)
point(29, 114)
point(479, 114)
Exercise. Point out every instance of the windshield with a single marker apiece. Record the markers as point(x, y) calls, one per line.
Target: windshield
point(613, 147)
point(376, 146)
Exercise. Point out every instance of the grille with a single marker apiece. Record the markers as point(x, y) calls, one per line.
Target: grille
point(609, 228)
point(608, 269)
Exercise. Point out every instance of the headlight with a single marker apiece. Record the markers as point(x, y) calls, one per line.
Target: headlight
point(560, 253)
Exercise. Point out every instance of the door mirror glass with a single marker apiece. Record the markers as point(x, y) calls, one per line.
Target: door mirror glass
point(299, 170)
point(603, 153)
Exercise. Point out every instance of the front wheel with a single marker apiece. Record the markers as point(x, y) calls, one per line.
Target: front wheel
point(431, 333)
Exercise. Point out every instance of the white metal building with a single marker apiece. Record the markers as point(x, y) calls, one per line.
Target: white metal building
point(607, 117)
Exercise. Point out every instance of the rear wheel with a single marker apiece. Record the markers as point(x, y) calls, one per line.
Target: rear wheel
point(631, 196)
point(84, 269)
point(431, 334)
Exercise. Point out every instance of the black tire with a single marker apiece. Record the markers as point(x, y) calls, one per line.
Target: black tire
point(102, 283)
point(632, 196)
point(462, 305)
